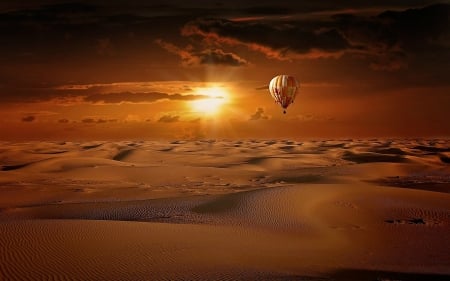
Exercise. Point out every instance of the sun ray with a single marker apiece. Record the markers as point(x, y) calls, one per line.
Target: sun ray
point(215, 98)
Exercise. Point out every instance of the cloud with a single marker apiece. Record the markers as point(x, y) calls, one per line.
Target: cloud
point(133, 118)
point(305, 117)
point(86, 34)
point(268, 10)
point(276, 40)
point(265, 87)
point(130, 97)
point(63, 121)
point(389, 39)
point(386, 41)
point(105, 47)
point(219, 57)
point(259, 115)
point(29, 118)
point(191, 57)
point(311, 117)
point(169, 118)
point(101, 93)
point(90, 120)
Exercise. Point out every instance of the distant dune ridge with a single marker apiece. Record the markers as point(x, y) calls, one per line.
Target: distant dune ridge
point(225, 210)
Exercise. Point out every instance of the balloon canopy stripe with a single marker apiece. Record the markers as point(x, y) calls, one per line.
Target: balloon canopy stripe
point(283, 89)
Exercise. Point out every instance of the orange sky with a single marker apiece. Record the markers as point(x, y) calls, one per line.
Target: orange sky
point(88, 72)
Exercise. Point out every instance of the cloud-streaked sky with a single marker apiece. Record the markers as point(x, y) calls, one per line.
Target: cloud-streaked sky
point(147, 69)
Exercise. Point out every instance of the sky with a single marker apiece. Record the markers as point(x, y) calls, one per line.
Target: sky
point(200, 69)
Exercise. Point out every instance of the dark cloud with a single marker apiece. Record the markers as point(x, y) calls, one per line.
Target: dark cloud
point(88, 120)
point(94, 30)
point(275, 40)
point(105, 47)
point(63, 121)
point(68, 35)
point(49, 42)
point(29, 118)
point(12, 93)
point(138, 97)
point(39, 92)
point(268, 10)
point(219, 57)
point(191, 57)
point(52, 13)
point(178, 7)
point(386, 40)
point(169, 118)
point(259, 115)
point(93, 93)
point(98, 120)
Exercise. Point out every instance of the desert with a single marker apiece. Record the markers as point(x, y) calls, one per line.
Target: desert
point(225, 210)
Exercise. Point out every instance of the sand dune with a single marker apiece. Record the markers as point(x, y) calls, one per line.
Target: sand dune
point(225, 210)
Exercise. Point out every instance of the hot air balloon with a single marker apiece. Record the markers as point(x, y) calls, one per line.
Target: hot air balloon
point(283, 89)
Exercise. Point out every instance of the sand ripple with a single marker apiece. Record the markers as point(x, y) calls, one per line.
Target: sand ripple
point(225, 210)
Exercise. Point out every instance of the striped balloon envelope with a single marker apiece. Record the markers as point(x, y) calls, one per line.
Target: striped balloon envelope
point(283, 89)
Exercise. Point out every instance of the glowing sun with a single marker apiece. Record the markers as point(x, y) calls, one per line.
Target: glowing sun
point(216, 98)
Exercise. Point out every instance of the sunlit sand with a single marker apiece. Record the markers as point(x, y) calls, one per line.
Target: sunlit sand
point(225, 210)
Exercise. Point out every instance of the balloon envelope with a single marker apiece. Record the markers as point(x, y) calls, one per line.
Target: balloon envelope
point(283, 89)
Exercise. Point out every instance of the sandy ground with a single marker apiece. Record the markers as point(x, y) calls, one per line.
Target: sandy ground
point(225, 210)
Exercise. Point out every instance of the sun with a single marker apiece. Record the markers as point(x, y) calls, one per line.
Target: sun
point(210, 105)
